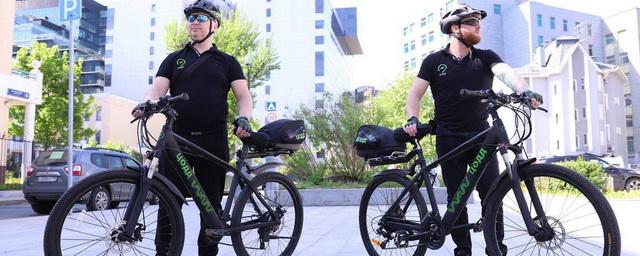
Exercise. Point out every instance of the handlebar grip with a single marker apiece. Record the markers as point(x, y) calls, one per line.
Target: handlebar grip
point(475, 93)
point(423, 129)
point(182, 97)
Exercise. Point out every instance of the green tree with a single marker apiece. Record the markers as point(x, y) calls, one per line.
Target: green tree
point(389, 109)
point(240, 38)
point(51, 115)
point(333, 127)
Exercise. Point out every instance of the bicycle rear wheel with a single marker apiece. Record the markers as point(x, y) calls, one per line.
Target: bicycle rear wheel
point(581, 218)
point(377, 199)
point(74, 229)
point(279, 239)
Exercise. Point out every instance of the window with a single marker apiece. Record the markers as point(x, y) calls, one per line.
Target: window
point(152, 36)
point(565, 25)
point(114, 162)
point(319, 23)
point(608, 39)
point(319, 63)
point(150, 79)
point(629, 121)
point(98, 137)
point(574, 85)
point(624, 58)
point(406, 48)
point(97, 160)
point(268, 12)
point(150, 65)
point(552, 22)
point(267, 90)
point(110, 18)
point(431, 36)
point(153, 22)
point(320, 87)
point(405, 31)
point(584, 112)
point(151, 50)
point(575, 115)
point(557, 119)
point(99, 114)
point(497, 9)
point(589, 29)
point(413, 45)
point(108, 54)
point(406, 65)
point(131, 163)
point(319, 39)
point(267, 76)
point(423, 39)
point(555, 89)
point(558, 144)
point(411, 27)
point(582, 83)
point(423, 22)
point(590, 50)
point(268, 27)
point(413, 63)
point(539, 20)
point(584, 136)
point(630, 146)
point(153, 8)
point(109, 40)
point(611, 59)
point(319, 104)
point(319, 6)
point(430, 18)
point(540, 40)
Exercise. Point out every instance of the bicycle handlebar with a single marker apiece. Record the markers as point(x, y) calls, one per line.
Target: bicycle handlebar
point(501, 98)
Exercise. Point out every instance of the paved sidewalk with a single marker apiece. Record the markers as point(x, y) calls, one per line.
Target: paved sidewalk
point(8, 197)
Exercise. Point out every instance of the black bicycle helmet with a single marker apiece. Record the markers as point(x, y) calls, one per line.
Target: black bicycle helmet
point(455, 15)
point(208, 8)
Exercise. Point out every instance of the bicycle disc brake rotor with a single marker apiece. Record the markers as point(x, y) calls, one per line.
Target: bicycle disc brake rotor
point(559, 234)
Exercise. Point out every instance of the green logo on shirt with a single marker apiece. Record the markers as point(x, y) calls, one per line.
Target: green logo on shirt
point(180, 63)
point(442, 70)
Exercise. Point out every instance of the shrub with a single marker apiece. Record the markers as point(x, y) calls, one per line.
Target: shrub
point(592, 171)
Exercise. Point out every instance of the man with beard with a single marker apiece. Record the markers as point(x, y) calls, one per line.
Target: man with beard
point(461, 66)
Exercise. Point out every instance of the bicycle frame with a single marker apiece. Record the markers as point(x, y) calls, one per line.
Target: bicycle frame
point(168, 144)
point(495, 140)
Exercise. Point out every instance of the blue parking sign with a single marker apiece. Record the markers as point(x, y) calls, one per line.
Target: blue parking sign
point(70, 9)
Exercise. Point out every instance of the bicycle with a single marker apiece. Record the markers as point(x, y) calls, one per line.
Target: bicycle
point(547, 209)
point(267, 215)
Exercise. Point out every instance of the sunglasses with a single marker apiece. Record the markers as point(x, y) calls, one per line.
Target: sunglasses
point(200, 18)
point(471, 22)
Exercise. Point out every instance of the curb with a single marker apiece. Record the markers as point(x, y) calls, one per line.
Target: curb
point(9, 197)
point(352, 197)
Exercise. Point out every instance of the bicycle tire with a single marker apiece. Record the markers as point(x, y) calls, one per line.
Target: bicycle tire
point(271, 194)
point(552, 182)
point(72, 200)
point(364, 223)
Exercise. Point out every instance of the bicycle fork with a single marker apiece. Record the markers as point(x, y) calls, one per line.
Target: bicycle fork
point(542, 232)
point(130, 232)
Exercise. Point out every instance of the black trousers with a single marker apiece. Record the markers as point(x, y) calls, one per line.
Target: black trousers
point(454, 171)
point(210, 175)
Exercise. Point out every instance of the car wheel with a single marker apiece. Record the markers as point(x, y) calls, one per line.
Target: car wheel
point(633, 184)
point(42, 207)
point(99, 199)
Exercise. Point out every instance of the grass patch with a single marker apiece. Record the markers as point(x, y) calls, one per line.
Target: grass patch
point(635, 194)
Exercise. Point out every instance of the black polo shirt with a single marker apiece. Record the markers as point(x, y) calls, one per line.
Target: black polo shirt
point(207, 86)
point(447, 76)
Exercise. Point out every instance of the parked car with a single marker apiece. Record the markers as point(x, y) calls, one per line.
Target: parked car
point(623, 178)
point(47, 178)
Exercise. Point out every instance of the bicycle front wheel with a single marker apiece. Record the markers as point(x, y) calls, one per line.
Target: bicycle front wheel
point(284, 199)
point(73, 228)
point(580, 217)
point(377, 200)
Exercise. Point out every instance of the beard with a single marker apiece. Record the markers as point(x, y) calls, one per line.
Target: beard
point(471, 38)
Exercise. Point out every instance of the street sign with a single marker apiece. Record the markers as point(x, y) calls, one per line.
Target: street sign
point(270, 117)
point(16, 93)
point(70, 9)
point(271, 106)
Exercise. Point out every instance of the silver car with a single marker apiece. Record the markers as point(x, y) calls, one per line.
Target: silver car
point(47, 178)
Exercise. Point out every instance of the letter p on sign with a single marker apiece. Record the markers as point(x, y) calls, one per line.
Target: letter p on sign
point(70, 9)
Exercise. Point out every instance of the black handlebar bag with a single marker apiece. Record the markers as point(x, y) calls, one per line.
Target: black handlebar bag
point(376, 141)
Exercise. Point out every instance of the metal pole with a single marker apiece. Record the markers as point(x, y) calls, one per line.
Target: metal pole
point(70, 114)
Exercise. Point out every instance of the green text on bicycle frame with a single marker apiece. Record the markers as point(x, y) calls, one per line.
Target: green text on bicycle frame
point(186, 169)
point(477, 161)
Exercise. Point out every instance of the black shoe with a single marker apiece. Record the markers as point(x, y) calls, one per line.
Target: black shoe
point(503, 249)
point(462, 251)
